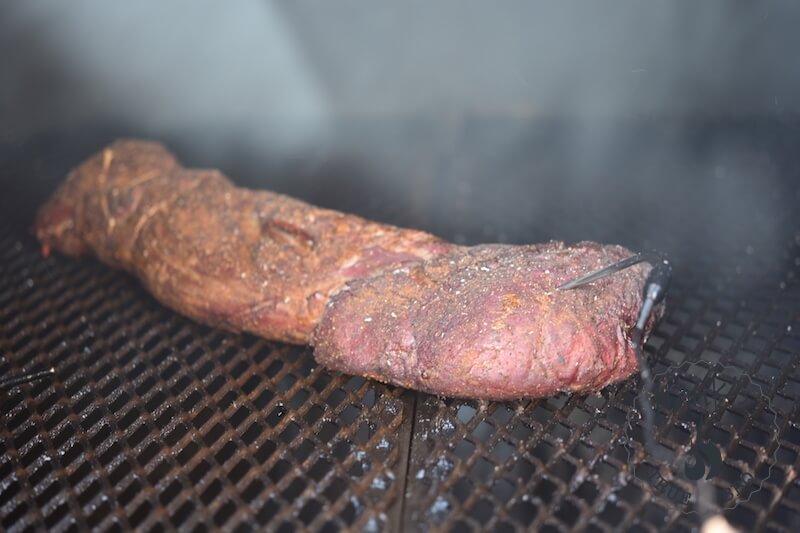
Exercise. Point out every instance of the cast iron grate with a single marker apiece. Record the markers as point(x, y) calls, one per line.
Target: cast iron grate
point(152, 419)
point(153, 422)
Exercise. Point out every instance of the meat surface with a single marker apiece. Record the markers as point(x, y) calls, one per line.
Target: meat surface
point(396, 305)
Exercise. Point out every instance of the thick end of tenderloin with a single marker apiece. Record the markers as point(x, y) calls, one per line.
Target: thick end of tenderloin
point(488, 322)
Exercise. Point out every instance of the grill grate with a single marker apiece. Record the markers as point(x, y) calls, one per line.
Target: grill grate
point(152, 421)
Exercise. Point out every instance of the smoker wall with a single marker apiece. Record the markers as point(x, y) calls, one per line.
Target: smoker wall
point(253, 63)
point(635, 115)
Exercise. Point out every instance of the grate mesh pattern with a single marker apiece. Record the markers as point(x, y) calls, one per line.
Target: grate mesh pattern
point(153, 419)
point(153, 422)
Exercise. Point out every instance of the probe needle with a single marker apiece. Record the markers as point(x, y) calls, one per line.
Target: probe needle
point(603, 272)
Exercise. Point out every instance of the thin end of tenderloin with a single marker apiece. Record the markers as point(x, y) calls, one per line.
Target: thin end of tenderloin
point(80, 209)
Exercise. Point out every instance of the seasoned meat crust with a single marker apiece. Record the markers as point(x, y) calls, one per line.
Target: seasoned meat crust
point(397, 305)
point(245, 260)
point(488, 322)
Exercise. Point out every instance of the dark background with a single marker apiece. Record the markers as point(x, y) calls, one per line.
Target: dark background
point(672, 125)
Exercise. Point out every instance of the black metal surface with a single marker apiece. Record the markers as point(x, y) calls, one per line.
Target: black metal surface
point(152, 419)
point(154, 422)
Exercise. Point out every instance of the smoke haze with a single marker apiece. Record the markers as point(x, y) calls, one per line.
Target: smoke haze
point(649, 123)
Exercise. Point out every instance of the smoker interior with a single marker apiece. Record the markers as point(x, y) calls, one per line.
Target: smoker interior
point(152, 421)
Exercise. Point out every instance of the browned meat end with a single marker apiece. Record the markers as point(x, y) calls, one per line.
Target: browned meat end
point(488, 322)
